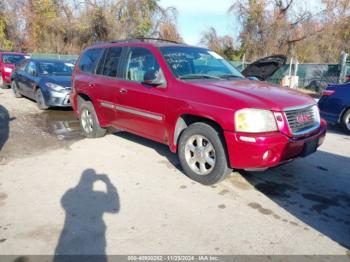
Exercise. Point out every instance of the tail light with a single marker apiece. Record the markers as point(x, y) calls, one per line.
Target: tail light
point(347, 78)
point(328, 92)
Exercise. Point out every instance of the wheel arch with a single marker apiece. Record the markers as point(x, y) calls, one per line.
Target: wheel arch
point(82, 97)
point(185, 120)
point(345, 109)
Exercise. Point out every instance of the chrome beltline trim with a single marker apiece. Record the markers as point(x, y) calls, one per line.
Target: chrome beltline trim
point(139, 113)
point(107, 105)
point(131, 111)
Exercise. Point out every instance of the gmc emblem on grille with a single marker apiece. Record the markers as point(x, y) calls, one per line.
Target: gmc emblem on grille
point(303, 118)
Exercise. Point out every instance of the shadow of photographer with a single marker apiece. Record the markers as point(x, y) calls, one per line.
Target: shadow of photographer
point(4, 126)
point(84, 231)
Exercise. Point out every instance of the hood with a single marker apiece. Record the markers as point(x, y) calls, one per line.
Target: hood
point(65, 81)
point(265, 67)
point(251, 94)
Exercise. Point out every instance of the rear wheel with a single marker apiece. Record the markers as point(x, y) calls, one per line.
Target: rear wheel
point(89, 123)
point(202, 154)
point(346, 121)
point(15, 89)
point(40, 101)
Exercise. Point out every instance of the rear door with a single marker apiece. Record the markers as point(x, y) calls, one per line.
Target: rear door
point(85, 73)
point(141, 107)
point(105, 85)
point(19, 74)
point(28, 79)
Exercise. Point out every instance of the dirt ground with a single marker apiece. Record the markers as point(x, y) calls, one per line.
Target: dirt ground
point(122, 194)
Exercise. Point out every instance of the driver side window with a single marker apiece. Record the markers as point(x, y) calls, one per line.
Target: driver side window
point(139, 62)
point(31, 68)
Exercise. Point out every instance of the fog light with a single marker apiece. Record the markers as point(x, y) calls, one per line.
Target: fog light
point(266, 155)
point(247, 139)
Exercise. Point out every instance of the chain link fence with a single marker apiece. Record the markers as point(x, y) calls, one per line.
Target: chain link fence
point(314, 77)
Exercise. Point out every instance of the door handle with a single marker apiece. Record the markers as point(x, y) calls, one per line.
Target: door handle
point(123, 91)
point(91, 84)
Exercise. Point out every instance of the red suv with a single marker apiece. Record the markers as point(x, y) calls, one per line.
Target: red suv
point(7, 65)
point(194, 101)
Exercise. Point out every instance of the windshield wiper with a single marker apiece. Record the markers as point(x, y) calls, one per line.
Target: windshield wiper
point(227, 76)
point(199, 76)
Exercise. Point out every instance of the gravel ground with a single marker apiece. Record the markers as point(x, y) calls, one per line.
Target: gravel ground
point(123, 194)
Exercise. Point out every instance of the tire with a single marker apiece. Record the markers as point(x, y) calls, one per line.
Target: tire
point(89, 123)
point(2, 84)
point(15, 89)
point(345, 121)
point(40, 101)
point(194, 160)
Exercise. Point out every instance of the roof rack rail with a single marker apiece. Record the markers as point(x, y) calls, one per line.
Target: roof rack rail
point(142, 39)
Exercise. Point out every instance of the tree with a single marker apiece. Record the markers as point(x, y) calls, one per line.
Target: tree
point(222, 45)
point(5, 42)
point(273, 27)
point(68, 26)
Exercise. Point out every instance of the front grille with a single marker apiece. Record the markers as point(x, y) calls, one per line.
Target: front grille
point(303, 120)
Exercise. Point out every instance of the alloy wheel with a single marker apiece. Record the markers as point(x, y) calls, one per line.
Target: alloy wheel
point(200, 154)
point(87, 121)
point(347, 122)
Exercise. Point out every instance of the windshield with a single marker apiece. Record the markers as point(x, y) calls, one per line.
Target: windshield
point(12, 59)
point(55, 68)
point(198, 63)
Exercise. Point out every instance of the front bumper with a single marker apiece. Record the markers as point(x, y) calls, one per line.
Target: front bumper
point(267, 150)
point(60, 99)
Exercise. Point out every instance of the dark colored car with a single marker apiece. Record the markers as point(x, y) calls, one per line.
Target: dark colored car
point(8, 60)
point(198, 104)
point(265, 67)
point(48, 82)
point(335, 105)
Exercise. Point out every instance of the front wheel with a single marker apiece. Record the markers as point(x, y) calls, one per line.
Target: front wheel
point(202, 154)
point(40, 101)
point(89, 123)
point(346, 121)
point(2, 84)
point(15, 89)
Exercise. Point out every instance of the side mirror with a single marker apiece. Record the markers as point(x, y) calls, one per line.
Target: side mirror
point(153, 78)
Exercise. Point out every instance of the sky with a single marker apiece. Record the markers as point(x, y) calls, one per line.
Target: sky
point(196, 16)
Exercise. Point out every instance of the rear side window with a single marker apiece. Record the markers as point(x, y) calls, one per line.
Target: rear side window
point(90, 59)
point(111, 62)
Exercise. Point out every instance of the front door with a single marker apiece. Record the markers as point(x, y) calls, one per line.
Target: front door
point(141, 107)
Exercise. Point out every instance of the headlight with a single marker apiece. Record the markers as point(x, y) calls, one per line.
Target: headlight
point(7, 69)
point(251, 120)
point(55, 87)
